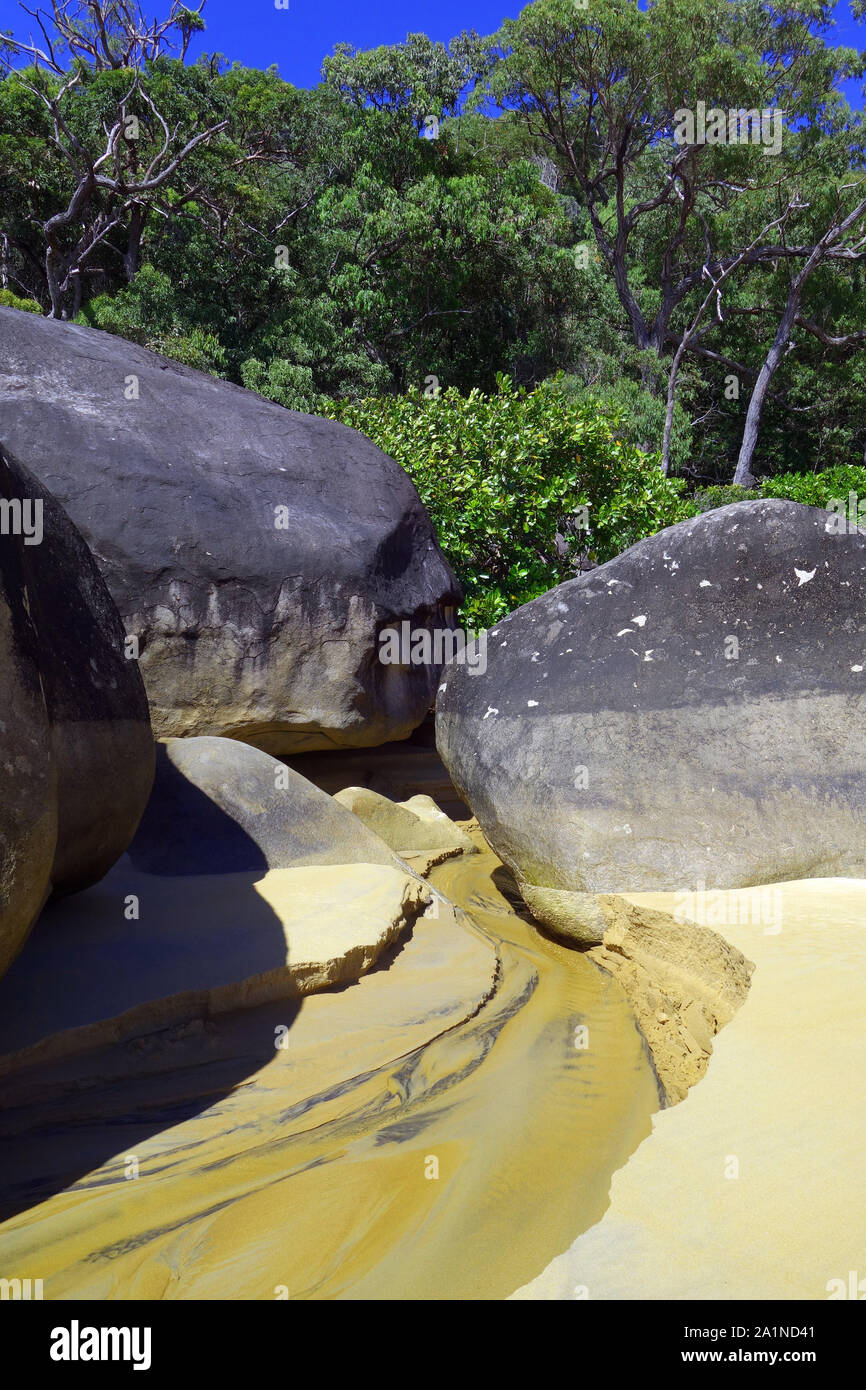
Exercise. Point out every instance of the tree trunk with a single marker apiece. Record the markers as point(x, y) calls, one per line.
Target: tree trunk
point(133, 243)
point(744, 477)
point(76, 295)
point(52, 276)
point(669, 413)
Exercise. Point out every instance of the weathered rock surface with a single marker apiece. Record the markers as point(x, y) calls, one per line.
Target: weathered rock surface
point(75, 740)
point(255, 552)
point(683, 981)
point(412, 825)
point(200, 946)
point(220, 806)
point(28, 807)
point(683, 715)
point(244, 884)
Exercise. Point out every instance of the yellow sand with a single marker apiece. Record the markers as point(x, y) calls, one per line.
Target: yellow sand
point(429, 1132)
point(752, 1187)
point(199, 945)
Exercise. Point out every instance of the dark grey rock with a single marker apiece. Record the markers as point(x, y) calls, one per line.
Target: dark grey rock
point(690, 713)
point(174, 479)
point(75, 741)
point(28, 805)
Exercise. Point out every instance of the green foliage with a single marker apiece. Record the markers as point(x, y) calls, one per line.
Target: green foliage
point(14, 301)
point(288, 383)
point(149, 312)
point(706, 499)
point(419, 78)
point(640, 415)
point(810, 489)
point(504, 478)
point(817, 489)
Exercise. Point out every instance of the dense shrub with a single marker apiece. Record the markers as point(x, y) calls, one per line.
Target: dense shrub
point(811, 489)
point(8, 300)
point(640, 416)
point(707, 499)
point(505, 478)
point(150, 312)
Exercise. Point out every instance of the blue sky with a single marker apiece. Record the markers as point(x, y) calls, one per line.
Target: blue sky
point(299, 38)
point(257, 34)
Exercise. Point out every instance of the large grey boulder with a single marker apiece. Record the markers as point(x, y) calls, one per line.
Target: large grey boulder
point(255, 552)
point(75, 742)
point(28, 805)
point(219, 806)
point(691, 713)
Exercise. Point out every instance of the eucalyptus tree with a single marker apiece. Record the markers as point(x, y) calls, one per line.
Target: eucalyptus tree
point(89, 72)
point(835, 216)
point(668, 123)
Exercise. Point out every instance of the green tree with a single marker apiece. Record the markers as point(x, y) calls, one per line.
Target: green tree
point(525, 488)
point(102, 118)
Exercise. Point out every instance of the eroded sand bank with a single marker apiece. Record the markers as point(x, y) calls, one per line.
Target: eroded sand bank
point(752, 1187)
point(198, 946)
point(312, 1169)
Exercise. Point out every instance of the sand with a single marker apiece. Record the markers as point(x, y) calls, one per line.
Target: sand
point(476, 1115)
point(752, 1186)
point(429, 1132)
point(199, 945)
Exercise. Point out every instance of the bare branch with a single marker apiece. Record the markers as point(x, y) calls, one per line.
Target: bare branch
point(828, 339)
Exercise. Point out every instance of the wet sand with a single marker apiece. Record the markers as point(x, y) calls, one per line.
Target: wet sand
point(752, 1187)
point(430, 1132)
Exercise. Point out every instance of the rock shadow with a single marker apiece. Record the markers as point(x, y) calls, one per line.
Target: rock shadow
point(190, 875)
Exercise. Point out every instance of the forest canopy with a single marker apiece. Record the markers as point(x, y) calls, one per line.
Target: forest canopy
point(657, 213)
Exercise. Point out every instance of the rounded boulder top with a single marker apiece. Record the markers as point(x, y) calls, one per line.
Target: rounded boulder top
point(256, 553)
point(687, 713)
